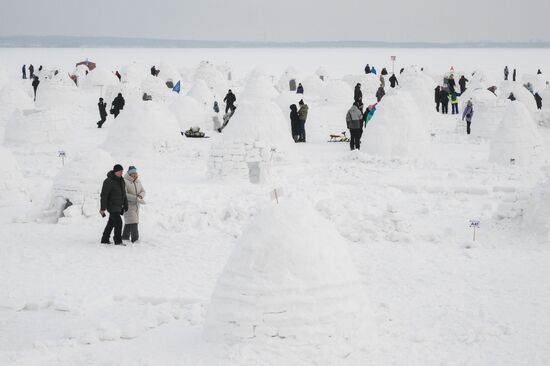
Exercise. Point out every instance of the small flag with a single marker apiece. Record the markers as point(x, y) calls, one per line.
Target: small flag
point(177, 87)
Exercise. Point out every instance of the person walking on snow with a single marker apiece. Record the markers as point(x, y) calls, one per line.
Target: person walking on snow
point(451, 83)
point(229, 100)
point(506, 73)
point(117, 105)
point(354, 122)
point(539, 72)
point(444, 98)
point(393, 81)
point(367, 69)
point(300, 89)
point(514, 75)
point(373, 70)
point(102, 112)
point(295, 123)
point(437, 97)
point(135, 194)
point(462, 83)
point(454, 102)
point(380, 94)
point(302, 114)
point(31, 71)
point(357, 93)
point(468, 115)
point(115, 202)
point(24, 71)
point(35, 83)
point(538, 100)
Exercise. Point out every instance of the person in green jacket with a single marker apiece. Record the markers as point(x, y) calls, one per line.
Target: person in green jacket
point(454, 102)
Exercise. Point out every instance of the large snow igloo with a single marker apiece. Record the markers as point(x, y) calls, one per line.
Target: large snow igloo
point(76, 188)
point(397, 129)
point(297, 286)
point(517, 140)
point(258, 132)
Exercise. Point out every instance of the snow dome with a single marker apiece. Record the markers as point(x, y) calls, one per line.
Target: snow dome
point(478, 80)
point(168, 73)
point(202, 93)
point(143, 128)
point(517, 140)
point(536, 212)
point(420, 87)
point(336, 91)
point(57, 95)
point(77, 187)
point(369, 84)
point(322, 72)
point(213, 78)
point(13, 187)
point(286, 78)
point(312, 85)
point(397, 129)
point(189, 113)
point(98, 77)
point(487, 112)
point(12, 98)
point(520, 92)
point(155, 87)
point(258, 89)
point(299, 285)
point(134, 73)
point(38, 129)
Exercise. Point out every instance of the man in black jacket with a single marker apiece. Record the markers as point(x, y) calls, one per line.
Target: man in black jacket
point(358, 94)
point(102, 112)
point(462, 83)
point(393, 81)
point(117, 105)
point(114, 201)
point(444, 99)
point(35, 83)
point(437, 97)
point(229, 100)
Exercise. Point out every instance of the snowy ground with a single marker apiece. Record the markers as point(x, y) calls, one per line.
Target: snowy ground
point(438, 297)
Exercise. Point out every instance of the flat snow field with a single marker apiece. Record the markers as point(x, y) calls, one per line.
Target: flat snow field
point(437, 297)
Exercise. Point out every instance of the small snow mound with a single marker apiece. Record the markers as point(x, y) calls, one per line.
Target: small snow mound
point(258, 89)
point(299, 285)
point(336, 91)
point(13, 186)
point(202, 93)
point(517, 140)
point(143, 128)
point(397, 129)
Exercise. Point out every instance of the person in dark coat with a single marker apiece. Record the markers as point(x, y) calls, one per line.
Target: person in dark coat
point(539, 72)
point(117, 105)
point(229, 100)
point(154, 71)
point(357, 93)
point(35, 83)
point(115, 202)
point(295, 123)
point(506, 73)
point(31, 71)
point(401, 71)
point(302, 115)
point(118, 75)
point(462, 83)
point(384, 71)
point(24, 71)
point(367, 69)
point(444, 98)
point(393, 81)
point(380, 94)
point(102, 112)
point(451, 83)
point(300, 89)
point(437, 97)
point(40, 69)
point(538, 99)
point(514, 75)
point(354, 122)
point(512, 97)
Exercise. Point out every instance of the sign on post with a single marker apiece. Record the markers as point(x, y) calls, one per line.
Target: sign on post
point(474, 224)
point(62, 156)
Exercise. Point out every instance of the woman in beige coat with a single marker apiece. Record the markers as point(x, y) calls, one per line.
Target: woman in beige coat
point(135, 194)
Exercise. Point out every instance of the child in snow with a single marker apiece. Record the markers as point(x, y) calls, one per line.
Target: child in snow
point(468, 115)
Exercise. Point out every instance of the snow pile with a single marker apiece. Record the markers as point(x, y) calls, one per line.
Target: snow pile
point(12, 98)
point(156, 87)
point(214, 79)
point(202, 93)
point(98, 77)
point(298, 286)
point(517, 140)
point(134, 73)
point(143, 128)
point(76, 188)
point(420, 86)
point(13, 187)
point(189, 113)
point(487, 112)
point(38, 129)
point(546, 107)
point(397, 129)
point(520, 92)
point(256, 133)
point(336, 92)
point(286, 78)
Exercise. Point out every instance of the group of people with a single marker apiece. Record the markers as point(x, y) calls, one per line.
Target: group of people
point(116, 106)
point(298, 119)
point(121, 196)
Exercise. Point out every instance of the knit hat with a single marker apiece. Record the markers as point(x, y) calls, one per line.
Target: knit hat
point(117, 168)
point(131, 170)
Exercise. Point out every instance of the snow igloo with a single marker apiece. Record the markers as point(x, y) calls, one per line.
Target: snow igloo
point(189, 113)
point(13, 98)
point(487, 111)
point(520, 93)
point(202, 94)
point(143, 128)
point(213, 78)
point(397, 129)
point(257, 133)
point(517, 140)
point(13, 186)
point(297, 286)
point(336, 92)
point(76, 188)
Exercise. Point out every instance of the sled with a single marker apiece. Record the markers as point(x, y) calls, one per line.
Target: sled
point(194, 132)
point(339, 138)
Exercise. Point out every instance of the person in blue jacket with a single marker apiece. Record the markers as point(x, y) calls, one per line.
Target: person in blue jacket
point(468, 115)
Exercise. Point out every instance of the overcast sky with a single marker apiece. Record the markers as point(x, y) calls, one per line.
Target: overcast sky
point(283, 20)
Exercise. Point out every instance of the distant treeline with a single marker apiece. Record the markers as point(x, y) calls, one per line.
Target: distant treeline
point(117, 42)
